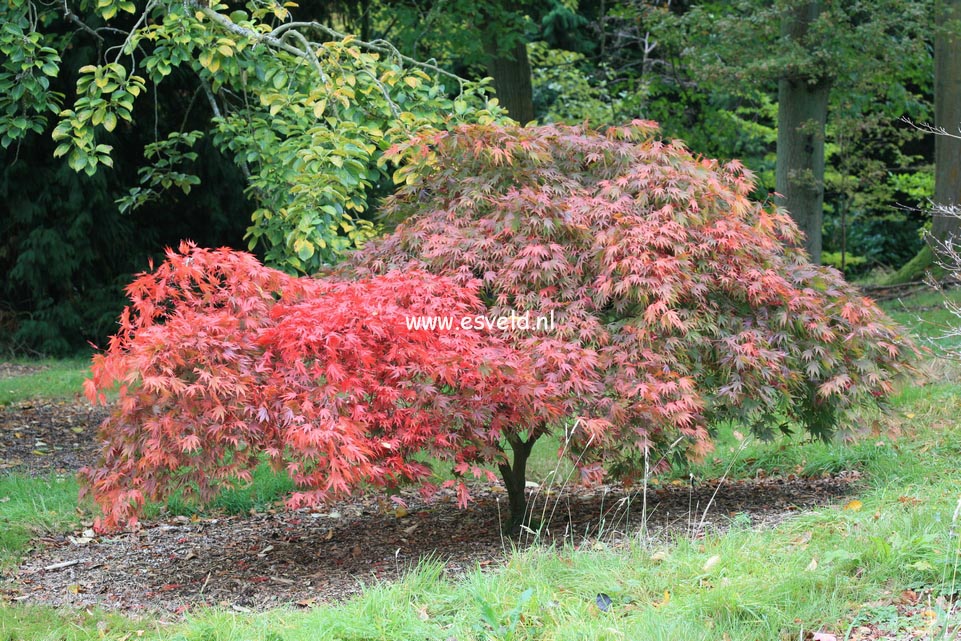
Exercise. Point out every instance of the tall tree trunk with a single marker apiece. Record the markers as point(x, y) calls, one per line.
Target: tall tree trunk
point(515, 480)
point(511, 71)
point(802, 113)
point(947, 114)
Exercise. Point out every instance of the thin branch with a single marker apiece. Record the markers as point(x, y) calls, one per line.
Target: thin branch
point(190, 106)
point(312, 57)
point(211, 99)
point(928, 128)
point(278, 40)
point(72, 17)
point(236, 29)
point(383, 90)
point(379, 46)
point(140, 21)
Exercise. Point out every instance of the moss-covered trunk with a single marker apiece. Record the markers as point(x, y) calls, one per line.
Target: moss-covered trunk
point(947, 114)
point(802, 113)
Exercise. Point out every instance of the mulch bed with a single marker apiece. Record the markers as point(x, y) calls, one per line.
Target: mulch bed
point(308, 557)
point(43, 437)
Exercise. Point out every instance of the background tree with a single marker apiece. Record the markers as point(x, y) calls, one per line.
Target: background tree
point(947, 116)
point(802, 112)
point(307, 188)
point(262, 126)
point(66, 251)
point(813, 51)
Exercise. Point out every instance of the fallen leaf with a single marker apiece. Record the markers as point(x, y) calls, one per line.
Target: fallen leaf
point(854, 506)
point(803, 539)
point(812, 566)
point(401, 512)
point(823, 636)
point(909, 597)
point(664, 601)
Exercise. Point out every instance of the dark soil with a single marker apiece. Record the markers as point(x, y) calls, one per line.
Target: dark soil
point(43, 437)
point(259, 561)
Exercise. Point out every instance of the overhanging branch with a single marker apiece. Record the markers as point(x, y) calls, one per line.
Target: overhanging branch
point(276, 39)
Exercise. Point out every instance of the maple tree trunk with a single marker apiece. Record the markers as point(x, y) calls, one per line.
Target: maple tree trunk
point(515, 480)
point(947, 114)
point(511, 71)
point(802, 109)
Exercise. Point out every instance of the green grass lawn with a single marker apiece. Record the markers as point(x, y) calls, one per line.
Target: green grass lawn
point(832, 569)
point(60, 379)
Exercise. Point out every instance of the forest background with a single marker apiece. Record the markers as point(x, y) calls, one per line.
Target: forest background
point(820, 99)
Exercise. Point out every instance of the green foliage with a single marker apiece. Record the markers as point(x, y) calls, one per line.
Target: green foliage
point(316, 115)
point(166, 170)
point(564, 91)
point(876, 187)
point(855, 46)
point(303, 110)
point(875, 61)
point(104, 95)
point(28, 63)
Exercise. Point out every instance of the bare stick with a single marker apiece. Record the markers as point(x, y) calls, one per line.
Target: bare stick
point(64, 564)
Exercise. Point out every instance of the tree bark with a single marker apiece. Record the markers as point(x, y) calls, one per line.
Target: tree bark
point(511, 71)
point(515, 480)
point(802, 114)
point(947, 114)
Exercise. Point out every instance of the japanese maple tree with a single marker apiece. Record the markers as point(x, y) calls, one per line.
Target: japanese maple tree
point(221, 363)
point(678, 301)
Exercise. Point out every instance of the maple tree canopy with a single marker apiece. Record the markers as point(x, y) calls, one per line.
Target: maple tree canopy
point(678, 302)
